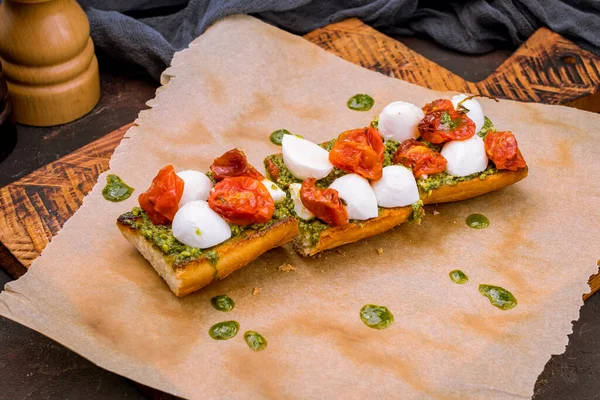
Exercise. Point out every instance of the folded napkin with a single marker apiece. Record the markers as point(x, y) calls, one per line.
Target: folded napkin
point(473, 27)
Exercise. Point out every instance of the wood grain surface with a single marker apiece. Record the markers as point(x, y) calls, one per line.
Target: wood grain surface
point(546, 69)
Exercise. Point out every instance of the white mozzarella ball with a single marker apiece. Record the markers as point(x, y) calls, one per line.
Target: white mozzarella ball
point(301, 211)
point(196, 186)
point(360, 199)
point(475, 112)
point(277, 194)
point(398, 121)
point(197, 225)
point(465, 157)
point(396, 188)
point(304, 158)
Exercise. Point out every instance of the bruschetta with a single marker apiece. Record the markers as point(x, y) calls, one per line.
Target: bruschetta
point(371, 179)
point(194, 228)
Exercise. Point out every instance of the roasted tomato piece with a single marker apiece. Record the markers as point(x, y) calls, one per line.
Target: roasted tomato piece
point(242, 200)
point(359, 151)
point(423, 160)
point(324, 203)
point(502, 149)
point(272, 169)
point(161, 200)
point(438, 105)
point(443, 126)
point(233, 163)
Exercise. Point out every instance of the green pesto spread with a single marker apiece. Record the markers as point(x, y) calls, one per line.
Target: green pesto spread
point(391, 146)
point(255, 341)
point(309, 232)
point(116, 190)
point(360, 102)
point(224, 330)
point(436, 181)
point(477, 221)
point(211, 177)
point(376, 317)
point(487, 126)
point(375, 122)
point(328, 145)
point(161, 236)
point(498, 297)
point(417, 211)
point(459, 277)
point(222, 302)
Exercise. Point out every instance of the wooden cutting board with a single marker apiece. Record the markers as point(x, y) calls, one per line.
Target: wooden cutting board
point(546, 69)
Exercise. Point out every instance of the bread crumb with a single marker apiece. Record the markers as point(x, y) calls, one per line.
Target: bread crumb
point(436, 212)
point(339, 251)
point(380, 251)
point(286, 267)
point(256, 291)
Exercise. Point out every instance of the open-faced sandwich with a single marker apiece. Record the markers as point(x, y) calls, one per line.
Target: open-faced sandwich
point(194, 227)
point(371, 179)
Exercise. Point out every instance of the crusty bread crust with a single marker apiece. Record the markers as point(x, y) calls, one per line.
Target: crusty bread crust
point(186, 278)
point(349, 233)
point(391, 217)
point(474, 187)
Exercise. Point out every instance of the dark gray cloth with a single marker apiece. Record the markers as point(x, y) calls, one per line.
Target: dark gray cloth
point(473, 27)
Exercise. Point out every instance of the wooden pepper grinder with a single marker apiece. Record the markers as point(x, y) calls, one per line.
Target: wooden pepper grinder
point(5, 105)
point(49, 61)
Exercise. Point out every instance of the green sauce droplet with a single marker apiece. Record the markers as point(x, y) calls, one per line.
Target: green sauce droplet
point(478, 221)
point(224, 330)
point(457, 276)
point(499, 297)
point(222, 302)
point(116, 190)
point(255, 341)
point(277, 136)
point(360, 102)
point(376, 317)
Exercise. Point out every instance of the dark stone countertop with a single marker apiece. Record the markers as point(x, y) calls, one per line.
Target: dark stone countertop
point(35, 367)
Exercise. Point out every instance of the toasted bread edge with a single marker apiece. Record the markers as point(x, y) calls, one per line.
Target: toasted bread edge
point(235, 253)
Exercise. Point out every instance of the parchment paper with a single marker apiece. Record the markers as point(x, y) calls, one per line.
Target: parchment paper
point(93, 292)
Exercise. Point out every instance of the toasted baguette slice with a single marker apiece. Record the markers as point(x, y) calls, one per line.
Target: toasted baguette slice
point(185, 278)
point(474, 187)
point(339, 235)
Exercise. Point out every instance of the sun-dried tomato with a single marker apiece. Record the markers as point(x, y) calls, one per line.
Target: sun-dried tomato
point(503, 150)
point(242, 200)
point(233, 163)
point(161, 200)
point(443, 126)
point(359, 151)
point(420, 158)
point(324, 203)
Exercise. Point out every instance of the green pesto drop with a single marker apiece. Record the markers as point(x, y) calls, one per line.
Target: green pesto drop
point(376, 317)
point(255, 341)
point(478, 221)
point(116, 190)
point(457, 276)
point(224, 330)
point(499, 297)
point(277, 136)
point(222, 302)
point(360, 102)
